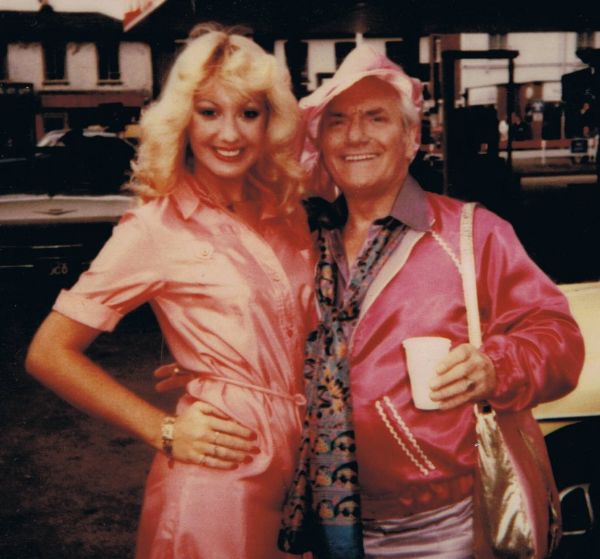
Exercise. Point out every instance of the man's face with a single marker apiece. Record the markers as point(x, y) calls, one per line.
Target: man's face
point(364, 143)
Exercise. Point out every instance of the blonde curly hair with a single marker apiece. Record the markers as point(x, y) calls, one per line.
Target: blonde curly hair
point(224, 56)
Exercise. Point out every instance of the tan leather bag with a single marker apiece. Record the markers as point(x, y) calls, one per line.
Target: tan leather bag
point(516, 506)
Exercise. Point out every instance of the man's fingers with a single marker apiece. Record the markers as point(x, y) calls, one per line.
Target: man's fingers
point(164, 371)
point(449, 391)
point(172, 377)
point(172, 383)
point(455, 357)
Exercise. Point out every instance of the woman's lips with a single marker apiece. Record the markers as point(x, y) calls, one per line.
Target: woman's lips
point(228, 154)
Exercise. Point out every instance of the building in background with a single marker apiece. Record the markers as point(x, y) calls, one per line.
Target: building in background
point(83, 69)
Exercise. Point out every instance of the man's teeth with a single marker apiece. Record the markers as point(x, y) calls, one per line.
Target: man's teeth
point(229, 152)
point(361, 157)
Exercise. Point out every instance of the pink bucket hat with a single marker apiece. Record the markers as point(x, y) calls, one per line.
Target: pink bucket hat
point(362, 62)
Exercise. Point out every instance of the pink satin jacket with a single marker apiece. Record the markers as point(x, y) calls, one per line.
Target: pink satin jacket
point(412, 460)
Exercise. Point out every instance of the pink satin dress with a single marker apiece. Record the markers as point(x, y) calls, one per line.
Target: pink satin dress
point(233, 303)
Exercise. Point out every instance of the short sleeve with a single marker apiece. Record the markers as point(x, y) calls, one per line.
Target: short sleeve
point(124, 275)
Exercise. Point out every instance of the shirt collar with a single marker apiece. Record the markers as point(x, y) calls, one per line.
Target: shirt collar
point(411, 207)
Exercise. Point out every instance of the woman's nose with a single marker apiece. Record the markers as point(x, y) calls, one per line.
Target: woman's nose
point(230, 131)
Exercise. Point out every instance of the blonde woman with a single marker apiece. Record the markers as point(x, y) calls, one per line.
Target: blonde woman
point(220, 249)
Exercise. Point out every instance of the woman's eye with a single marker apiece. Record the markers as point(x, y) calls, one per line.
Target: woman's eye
point(251, 114)
point(207, 112)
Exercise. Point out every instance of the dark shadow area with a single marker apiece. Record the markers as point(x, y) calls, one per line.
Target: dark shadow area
point(72, 486)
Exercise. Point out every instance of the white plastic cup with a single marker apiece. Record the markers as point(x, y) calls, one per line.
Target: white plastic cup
point(422, 357)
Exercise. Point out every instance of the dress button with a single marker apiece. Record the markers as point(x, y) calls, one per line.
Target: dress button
point(289, 332)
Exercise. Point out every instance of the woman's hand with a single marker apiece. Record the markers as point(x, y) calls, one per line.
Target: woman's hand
point(206, 436)
point(171, 377)
point(464, 375)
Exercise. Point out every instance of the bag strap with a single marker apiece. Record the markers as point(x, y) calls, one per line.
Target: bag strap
point(469, 281)
point(467, 262)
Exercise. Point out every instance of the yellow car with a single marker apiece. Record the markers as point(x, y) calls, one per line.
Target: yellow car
point(571, 425)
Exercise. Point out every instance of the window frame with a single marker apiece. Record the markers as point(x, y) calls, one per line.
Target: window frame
point(55, 62)
point(108, 62)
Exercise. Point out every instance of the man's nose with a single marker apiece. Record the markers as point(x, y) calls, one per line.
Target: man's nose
point(356, 130)
point(230, 131)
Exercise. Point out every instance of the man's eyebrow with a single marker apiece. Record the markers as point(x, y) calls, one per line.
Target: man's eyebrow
point(369, 112)
point(335, 114)
point(375, 111)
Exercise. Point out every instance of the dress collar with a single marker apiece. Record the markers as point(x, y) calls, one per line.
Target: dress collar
point(189, 194)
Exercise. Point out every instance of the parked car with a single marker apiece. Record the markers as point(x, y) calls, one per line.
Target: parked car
point(572, 426)
point(559, 223)
point(47, 241)
point(82, 160)
point(58, 207)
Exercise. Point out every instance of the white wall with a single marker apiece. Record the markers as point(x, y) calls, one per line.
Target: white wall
point(81, 69)
point(543, 57)
point(26, 63)
point(321, 56)
point(136, 66)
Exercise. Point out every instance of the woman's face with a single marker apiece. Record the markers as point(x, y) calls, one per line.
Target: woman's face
point(226, 134)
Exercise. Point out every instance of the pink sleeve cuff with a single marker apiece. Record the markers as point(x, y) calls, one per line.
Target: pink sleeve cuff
point(87, 311)
point(509, 379)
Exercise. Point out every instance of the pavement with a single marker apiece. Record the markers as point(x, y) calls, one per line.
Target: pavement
point(72, 485)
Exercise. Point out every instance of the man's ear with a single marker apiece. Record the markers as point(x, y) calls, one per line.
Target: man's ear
point(413, 141)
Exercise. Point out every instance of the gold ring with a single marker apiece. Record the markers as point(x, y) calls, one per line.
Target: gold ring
point(175, 371)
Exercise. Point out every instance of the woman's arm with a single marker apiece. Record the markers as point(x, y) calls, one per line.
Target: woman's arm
point(56, 358)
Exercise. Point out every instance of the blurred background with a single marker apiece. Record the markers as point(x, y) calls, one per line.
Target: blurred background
point(511, 119)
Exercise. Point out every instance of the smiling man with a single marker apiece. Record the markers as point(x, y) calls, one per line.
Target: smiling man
point(379, 477)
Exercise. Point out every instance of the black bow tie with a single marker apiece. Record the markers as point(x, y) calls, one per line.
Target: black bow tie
point(326, 215)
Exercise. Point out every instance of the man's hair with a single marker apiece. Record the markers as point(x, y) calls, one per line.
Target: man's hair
point(225, 57)
point(409, 112)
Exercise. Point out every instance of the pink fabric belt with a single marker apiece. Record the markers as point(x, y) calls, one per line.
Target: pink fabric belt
point(298, 399)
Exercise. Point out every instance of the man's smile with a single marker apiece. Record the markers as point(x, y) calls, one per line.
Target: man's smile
point(359, 157)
